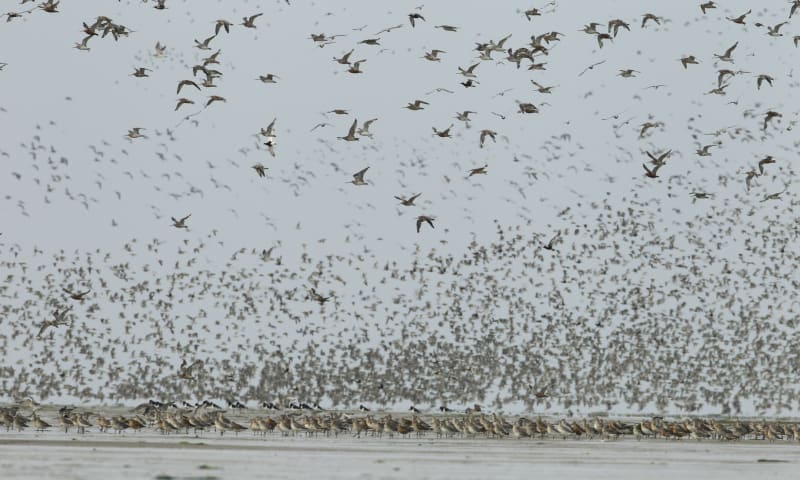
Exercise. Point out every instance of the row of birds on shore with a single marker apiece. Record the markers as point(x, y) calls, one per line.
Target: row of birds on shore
point(471, 425)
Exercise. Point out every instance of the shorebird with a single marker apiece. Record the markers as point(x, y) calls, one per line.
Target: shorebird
point(615, 25)
point(424, 219)
point(184, 83)
point(364, 130)
point(268, 78)
point(661, 159)
point(249, 22)
point(78, 296)
point(358, 177)
point(442, 133)
point(433, 55)
point(627, 73)
point(415, 16)
point(469, 72)
point(260, 169)
point(135, 133)
point(408, 202)
point(59, 319)
point(542, 89)
point(183, 101)
point(740, 18)
point(707, 6)
point(370, 41)
point(345, 59)
point(478, 171)
point(220, 24)
point(652, 173)
point(351, 134)
point(205, 44)
point(487, 133)
point(650, 16)
point(552, 243)
point(769, 116)
point(464, 116)
point(689, 60)
point(764, 161)
point(50, 6)
point(704, 151)
point(417, 105)
point(601, 37)
point(447, 28)
point(215, 98)
point(764, 78)
point(140, 72)
point(186, 371)
point(356, 67)
point(532, 12)
point(180, 223)
point(313, 295)
point(726, 57)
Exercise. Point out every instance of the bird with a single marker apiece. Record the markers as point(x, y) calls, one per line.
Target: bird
point(705, 150)
point(433, 55)
point(763, 78)
point(135, 133)
point(469, 72)
point(765, 161)
point(260, 169)
point(268, 78)
point(707, 6)
point(424, 219)
point(478, 171)
point(358, 177)
point(140, 72)
point(220, 24)
point(180, 223)
point(79, 296)
point(183, 101)
point(650, 17)
point(740, 18)
point(364, 130)
point(344, 59)
point(487, 133)
point(205, 44)
point(249, 22)
point(652, 173)
point(356, 67)
point(417, 105)
point(442, 133)
point(415, 16)
point(215, 98)
point(408, 202)
point(184, 83)
point(551, 244)
point(726, 57)
point(351, 133)
point(689, 60)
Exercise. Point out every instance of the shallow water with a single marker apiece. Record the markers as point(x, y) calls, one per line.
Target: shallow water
point(149, 455)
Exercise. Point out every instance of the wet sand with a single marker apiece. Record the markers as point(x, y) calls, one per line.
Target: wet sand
point(147, 455)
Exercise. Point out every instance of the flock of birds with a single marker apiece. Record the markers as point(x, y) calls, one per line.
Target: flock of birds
point(170, 419)
point(630, 300)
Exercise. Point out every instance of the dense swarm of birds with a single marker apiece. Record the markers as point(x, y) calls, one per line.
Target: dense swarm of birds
point(662, 278)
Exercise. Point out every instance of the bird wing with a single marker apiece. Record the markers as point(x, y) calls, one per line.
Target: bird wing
point(185, 218)
point(352, 130)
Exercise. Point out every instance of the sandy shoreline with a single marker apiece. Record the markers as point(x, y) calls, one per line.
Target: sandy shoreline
point(147, 455)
